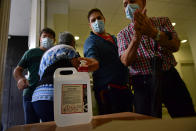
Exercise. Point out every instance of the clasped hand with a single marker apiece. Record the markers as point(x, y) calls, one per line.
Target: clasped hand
point(22, 83)
point(142, 24)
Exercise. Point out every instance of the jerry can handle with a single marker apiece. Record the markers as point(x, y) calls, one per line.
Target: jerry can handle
point(66, 71)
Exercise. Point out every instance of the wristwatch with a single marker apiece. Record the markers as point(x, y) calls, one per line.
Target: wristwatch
point(169, 35)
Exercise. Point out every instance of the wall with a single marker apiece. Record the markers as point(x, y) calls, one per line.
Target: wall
point(12, 110)
point(192, 39)
point(57, 15)
point(20, 17)
point(4, 23)
point(186, 68)
point(184, 54)
point(18, 11)
point(34, 24)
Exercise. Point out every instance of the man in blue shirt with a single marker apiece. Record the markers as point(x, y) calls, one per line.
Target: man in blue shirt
point(110, 80)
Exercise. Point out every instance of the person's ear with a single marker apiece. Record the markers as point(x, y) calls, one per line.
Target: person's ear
point(90, 25)
point(104, 19)
point(73, 44)
point(40, 40)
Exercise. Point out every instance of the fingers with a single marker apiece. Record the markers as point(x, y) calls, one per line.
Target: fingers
point(144, 11)
point(138, 17)
point(22, 83)
point(91, 63)
point(138, 28)
point(83, 58)
point(142, 23)
point(75, 62)
point(94, 65)
point(137, 36)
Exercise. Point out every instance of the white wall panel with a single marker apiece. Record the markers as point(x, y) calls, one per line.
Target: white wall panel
point(20, 15)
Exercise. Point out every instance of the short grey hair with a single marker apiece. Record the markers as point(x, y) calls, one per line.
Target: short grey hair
point(66, 38)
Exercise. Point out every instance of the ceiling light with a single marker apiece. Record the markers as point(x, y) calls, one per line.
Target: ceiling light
point(77, 37)
point(173, 24)
point(184, 41)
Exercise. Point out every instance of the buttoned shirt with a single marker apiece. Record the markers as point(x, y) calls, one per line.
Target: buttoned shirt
point(146, 49)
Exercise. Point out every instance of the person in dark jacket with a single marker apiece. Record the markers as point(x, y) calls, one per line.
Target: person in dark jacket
point(110, 80)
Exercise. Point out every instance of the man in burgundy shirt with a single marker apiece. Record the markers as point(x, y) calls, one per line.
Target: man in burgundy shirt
point(145, 44)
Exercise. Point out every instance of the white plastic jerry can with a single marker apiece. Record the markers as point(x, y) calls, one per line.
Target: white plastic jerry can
point(72, 97)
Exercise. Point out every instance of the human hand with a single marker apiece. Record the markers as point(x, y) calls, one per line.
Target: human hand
point(91, 63)
point(137, 37)
point(143, 25)
point(22, 83)
point(75, 62)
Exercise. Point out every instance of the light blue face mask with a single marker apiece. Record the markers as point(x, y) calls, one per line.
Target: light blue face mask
point(98, 26)
point(47, 42)
point(130, 9)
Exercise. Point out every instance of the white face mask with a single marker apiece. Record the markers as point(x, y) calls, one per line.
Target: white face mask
point(130, 9)
point(98, 26)
point(47, 42)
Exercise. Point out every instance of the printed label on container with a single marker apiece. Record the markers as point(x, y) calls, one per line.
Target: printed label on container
point(74, 98)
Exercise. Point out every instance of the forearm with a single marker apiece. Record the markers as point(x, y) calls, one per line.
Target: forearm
point(171, 44)
point(130, 53)
point(18, 73)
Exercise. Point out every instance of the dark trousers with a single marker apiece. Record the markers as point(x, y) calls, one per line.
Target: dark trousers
point(29, 112)
point(173, 91)
point(114, 100)
point(44, 110)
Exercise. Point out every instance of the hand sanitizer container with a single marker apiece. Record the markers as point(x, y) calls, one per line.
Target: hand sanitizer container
point(72, 97)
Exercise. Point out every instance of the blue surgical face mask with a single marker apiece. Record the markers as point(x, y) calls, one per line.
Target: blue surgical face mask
point(47, 42)
point(130, 9)
point(98, 26)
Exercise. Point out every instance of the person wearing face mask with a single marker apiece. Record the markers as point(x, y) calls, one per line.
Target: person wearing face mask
point(146, 46)
point(110, 79)
point(31, 61)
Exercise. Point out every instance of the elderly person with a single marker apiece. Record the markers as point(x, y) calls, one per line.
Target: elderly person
point(146, 46)
point(61, 55)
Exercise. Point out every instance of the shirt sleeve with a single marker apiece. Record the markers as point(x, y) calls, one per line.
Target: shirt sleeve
point(121, 43)
point(24, 60)
point(90, 50)
point(42, 66)
point(168, 25)
point(47, 77)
